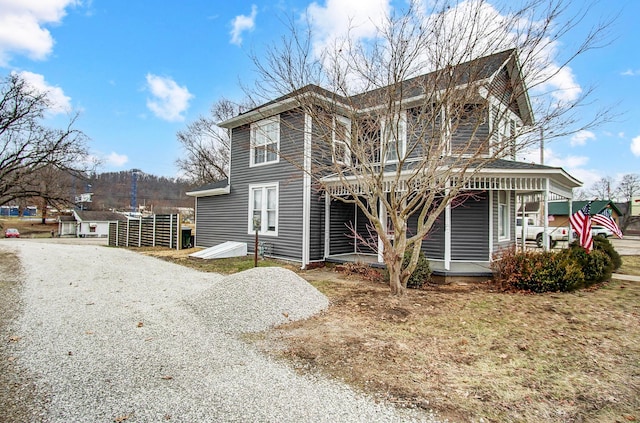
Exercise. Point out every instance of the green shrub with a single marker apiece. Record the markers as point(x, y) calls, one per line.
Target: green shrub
point(422, 272)
point(420, 275)
point(596, 266)
point(604, 245)
point(536, 271)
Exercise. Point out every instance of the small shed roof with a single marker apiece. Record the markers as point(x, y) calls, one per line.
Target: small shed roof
point(97, 216)
point(214, 188)
point(561, 208)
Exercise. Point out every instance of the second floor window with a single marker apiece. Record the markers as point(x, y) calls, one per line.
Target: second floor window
point(265, 141)
point(341, 140)
point(393, 142)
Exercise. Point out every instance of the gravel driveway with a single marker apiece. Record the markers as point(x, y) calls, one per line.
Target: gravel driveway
point(106, 335)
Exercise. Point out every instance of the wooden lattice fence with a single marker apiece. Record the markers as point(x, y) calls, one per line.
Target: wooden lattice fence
point(160, 230)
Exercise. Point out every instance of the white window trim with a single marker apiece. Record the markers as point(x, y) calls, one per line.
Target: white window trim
point(496, 125)
point(507, 218)
point(346, 160)
point(402, 120)
point(263, 214)
point(255, 126)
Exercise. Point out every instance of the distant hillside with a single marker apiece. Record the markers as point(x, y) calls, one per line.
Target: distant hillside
point(112, 190)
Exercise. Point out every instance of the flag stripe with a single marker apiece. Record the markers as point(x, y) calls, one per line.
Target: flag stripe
point(608, 223)
point(581, 223)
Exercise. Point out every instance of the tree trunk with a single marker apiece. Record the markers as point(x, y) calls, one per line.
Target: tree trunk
point(394, 266)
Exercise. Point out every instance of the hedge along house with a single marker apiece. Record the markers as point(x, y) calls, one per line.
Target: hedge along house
point(300, 196)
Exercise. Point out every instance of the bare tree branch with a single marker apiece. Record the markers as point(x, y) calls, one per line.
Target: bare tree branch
point(30, 153)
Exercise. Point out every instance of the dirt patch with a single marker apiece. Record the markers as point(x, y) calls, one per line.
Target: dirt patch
point(469, 352)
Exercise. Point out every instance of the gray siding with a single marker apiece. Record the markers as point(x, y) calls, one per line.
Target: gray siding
point(471, 132)
point(433, 244)
point(421, 135)
point(470, 230)
point(499, 245)
point(341, 215)
point(502, 88)
point(316, 241)
point(225, 217)
point(368, 233)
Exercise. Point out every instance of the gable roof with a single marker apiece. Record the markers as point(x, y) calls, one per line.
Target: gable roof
point(483, 69)
point(561, 208)
point(97, 216)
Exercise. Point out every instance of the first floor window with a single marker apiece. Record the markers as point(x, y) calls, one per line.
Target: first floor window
point(503, 215)
point(263, 209)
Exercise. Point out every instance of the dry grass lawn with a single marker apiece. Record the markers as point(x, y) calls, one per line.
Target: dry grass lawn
point(471, 353)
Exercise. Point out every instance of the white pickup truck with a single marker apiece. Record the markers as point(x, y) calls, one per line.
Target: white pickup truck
point(535, 233)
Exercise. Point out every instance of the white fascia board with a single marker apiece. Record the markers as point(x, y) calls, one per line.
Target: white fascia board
point(209, 192)
point(559, 174)
point(555, 171)
point(276, 108)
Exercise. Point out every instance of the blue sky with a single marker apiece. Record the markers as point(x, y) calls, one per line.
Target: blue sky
point(139, 71)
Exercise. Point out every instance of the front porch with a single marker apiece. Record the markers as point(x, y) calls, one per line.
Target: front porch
point(464, 238)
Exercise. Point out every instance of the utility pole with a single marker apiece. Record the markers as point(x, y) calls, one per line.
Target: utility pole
point(541, 146)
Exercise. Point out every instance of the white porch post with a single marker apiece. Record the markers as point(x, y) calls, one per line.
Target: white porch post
point(383, 220)
point(447, 232)
point(545, 224)
point(570, 235)
point(306, 192)
point(327, 224)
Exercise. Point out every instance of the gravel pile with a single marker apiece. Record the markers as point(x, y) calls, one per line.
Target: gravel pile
point(110, 335)
point(257, 299)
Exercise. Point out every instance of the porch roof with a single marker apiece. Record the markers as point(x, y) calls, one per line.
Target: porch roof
point(498, 175)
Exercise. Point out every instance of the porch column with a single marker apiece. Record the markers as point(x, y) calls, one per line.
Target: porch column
point(570, 234)
point(383, 220)
point(545, 224)
point(327, 224)
point(447, 233)
point(306, 193)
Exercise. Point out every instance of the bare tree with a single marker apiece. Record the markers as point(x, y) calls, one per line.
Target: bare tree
point(603, 189)
point(397, 146)
point(206, 145)
point(34, 159)
point(626, 190)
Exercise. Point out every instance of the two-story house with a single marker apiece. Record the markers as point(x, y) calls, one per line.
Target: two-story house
point(272, 187)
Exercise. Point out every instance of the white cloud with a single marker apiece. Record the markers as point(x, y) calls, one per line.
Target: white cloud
point(242, 23)
point(59, 102)
point(22, 27)
point(169, 100)
point(581, 138)
point(473, 28)
point(630, 72)
point(635, 146)
point(358, 18)
point(116, 160)
point(560, 82)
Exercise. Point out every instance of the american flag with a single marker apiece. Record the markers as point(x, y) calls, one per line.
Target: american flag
point(581, 223)
point(604, 218)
